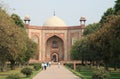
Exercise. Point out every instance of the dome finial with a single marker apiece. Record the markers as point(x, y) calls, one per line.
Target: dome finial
point(54, 13)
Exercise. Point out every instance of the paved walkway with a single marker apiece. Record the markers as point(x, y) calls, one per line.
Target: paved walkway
point(54, 72)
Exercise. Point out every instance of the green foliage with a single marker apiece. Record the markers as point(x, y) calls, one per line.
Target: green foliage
point(81, 68)
point(13, 76)
point(79, 50)
point(86, 72)
point(15, 46)
point(117, 7)
point(37, 66)
point(17, 20)
point(69, 65)
point(114, 75)
point(75, 53)
point(91, 28)
point(74, 72)
point(27, 71)
point(103, 45)
point(31, 49)
point(105, 16)
point(101, 74)
point(111, 11)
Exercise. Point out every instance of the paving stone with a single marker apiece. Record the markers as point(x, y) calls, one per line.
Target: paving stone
point(55, 72)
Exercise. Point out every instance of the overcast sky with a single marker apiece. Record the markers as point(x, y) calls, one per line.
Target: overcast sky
point(69, 11)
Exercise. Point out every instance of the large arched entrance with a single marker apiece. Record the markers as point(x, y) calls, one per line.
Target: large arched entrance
point(54, 49)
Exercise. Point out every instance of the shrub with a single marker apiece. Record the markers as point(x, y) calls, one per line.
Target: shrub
point(13, 76)
point(69, 65)
point(37, 66)
point(101, 74)
point(27, 71)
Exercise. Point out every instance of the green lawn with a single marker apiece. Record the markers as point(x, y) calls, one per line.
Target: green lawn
point(17, 71)
point(114, 75)
point(6, 73)
point(86, 73)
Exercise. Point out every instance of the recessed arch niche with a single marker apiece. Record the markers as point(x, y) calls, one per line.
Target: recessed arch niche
point(54, 49)
point(35, 38)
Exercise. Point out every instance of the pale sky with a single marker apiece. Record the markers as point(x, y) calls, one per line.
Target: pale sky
point(69, 11)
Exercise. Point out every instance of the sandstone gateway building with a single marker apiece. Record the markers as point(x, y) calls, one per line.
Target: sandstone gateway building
point(54, 38)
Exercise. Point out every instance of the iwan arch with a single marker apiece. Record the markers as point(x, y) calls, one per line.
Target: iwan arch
point(54, 38)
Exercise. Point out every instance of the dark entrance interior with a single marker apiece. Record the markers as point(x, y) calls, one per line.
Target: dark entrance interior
point(54, 58)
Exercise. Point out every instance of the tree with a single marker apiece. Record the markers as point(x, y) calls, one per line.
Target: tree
point(13, 40)
point(91, 28)
point(101, 45)
point(17, 20)
point(114, 39)
point(75, 51)
point(31, 49)
point(80, 50)
point(117, 7)
point(5, 36)
point(109, 12)
point(17, 46)
point(108, 41)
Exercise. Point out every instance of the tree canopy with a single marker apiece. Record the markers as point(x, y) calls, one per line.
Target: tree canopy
point(17, 20)
point(14, 41)
point(91, 28)
point(101, 45)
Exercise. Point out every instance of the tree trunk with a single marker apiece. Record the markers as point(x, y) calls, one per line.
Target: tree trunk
point(97, 65)
point(3, 67)
point(82, 62)
point(20, 65)
point(85, 62)
point(115, 66)
point(12, 65)
point(91, 64)
point(106, 67)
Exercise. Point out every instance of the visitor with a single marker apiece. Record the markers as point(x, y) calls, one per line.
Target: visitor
point(45, 66)
point(42, 66)
point(49, 63)
point(58, 64)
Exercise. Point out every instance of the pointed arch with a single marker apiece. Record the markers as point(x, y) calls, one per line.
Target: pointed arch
point(54, 45)
point(35, 38)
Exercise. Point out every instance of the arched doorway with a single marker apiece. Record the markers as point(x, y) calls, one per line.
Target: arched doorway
point(54, 49)
point(54, 57)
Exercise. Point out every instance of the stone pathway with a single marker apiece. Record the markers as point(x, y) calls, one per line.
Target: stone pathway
point(54, 72)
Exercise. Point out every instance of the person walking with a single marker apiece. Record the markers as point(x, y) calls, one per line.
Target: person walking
point(42, 66)
point(58, 64)
point(49, 63)
point(45, 66)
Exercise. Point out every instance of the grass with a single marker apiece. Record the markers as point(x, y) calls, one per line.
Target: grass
point(115, 75)
point(3, 75)
point(86, 73)
point(6, 73)
point(74, 72)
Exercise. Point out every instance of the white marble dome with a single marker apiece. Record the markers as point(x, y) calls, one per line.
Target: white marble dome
point(54, 21)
